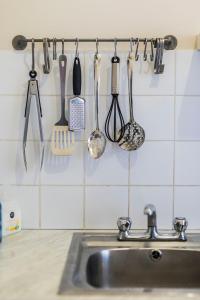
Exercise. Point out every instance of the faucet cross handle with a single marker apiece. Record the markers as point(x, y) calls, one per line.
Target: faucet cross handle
point(180, 224)
point(124, 224)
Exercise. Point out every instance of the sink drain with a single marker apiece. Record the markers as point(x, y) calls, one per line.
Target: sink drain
point(156, 255)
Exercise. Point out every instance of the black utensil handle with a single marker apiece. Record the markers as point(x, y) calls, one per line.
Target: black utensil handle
point(77, 77)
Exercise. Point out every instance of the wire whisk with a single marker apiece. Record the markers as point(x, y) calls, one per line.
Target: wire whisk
point(115, 116)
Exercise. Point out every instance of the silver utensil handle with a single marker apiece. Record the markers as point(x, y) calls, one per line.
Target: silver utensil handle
point(97, 65)
point(115, 75)
point(130, 62)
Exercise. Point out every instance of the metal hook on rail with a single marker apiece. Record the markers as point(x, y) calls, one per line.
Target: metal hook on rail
point(152, 51)
point(33, 55)
point(131, 44)
point(63, 46)
point(137, 48)
point(54, 49)
point(46, 66)
point(115, 46)
point(97, 46)
point(158, 64)
point(77, 43)
point(145, 50)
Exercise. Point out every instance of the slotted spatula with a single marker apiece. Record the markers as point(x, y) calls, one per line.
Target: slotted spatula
point(62, 142)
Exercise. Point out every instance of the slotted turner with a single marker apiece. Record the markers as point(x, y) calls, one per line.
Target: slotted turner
point(62, 142)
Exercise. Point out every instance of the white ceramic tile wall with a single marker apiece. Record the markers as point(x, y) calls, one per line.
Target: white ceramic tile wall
point(160, 196)
point(104, 205)
point(78, 192)
point(62, 207)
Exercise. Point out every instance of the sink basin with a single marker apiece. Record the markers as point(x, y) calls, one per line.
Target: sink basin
point(99, 264)
point(133, 268)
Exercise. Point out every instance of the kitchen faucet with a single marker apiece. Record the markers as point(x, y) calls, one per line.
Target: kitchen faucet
point(152, 234)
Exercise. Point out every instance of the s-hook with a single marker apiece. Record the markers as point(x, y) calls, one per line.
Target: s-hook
point(97, 46)
point(33, 90)
point(63, 46)
point(158, 65)
point(54, 49)
point(46, 66)
point(131, 45)
point(137, 49)
point(152, 52)
point(145, 50)
point(115, 45)
point(77, 44)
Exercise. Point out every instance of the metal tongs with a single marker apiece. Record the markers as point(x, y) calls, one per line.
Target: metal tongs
point(33, 90)
point(159, 66)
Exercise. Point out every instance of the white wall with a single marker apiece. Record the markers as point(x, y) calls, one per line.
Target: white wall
point(78, 192)
point(106, 18)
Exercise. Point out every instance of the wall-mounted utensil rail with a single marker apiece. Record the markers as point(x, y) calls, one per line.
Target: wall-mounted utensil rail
point(20, 42)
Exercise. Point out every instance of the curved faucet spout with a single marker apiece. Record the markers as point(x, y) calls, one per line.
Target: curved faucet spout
point(150, 211)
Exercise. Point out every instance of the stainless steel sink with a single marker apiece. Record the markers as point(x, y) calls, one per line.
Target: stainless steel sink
point(140, 268)
point(99, 264)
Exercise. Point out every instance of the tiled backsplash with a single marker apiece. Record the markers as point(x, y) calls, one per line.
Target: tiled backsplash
point(78, 192)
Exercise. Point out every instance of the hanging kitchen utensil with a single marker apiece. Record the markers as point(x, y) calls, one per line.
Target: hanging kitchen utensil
point(33, 90)
point(114, 113)
point(62, 142)
point(134, 134)
point(76, 105)
point(96, 140)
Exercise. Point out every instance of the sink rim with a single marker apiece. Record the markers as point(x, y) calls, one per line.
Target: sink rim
point(94, 242)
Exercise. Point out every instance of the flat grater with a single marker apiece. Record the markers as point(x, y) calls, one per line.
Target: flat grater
point(76, 105)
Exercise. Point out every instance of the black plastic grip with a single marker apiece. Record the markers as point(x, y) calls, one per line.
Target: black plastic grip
point(77, 77)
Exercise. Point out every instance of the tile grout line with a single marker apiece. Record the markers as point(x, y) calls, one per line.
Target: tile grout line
point(84, 159)
point(129, 171)
point(129, 160)
point(174, 146)
point(85, 140)
point(84, 191)
point(105, 95)
point(104, 185)
point(40, 201)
